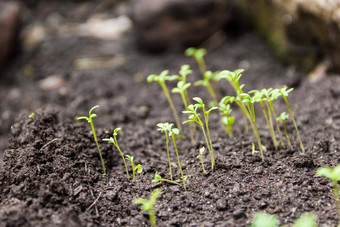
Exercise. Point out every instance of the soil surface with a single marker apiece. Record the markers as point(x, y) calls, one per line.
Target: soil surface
point(52, 175)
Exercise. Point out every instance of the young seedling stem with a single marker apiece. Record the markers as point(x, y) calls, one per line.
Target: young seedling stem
point(163, 127)
point(282, 118)
point(89, 120)
point(201, 151)
point(158, 178)
point(198, 54)
point(148, 205)
point(115, 143)
point(194, 117)
point(284, 92)
point(137, 168)
point(161, 78)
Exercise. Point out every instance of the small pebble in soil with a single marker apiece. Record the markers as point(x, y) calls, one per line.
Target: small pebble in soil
point(221, 204)
point(239, 214)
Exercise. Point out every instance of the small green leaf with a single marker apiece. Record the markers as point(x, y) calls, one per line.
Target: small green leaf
point(306, 220)
point(139, 168)
point(264, 220)
point(175, 131)
point(31, 116)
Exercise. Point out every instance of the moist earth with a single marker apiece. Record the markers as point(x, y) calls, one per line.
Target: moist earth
point(52, 175)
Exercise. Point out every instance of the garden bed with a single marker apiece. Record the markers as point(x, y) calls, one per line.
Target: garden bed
point(52, 173)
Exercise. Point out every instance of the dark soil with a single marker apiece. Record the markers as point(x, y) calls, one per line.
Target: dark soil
point(52, 175)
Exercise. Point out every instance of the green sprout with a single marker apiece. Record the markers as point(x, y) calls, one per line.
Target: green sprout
point(306, 220)
point(332, 174)
point(262, 98)
point(159, 178)
point(194, 117)
point(89, 120)
point(284, 92)
point(233, 79)
point(262, 219)
point(200, 156)
point(167, 128)
point(181, 88)
point(198, 54)
point(115, 142)
point(31, 116)
point(208, 75)
point(148, 205)
point(137, 168)
point(161, 78)
point(163, 127)
point(228, 121)
point(283, 116)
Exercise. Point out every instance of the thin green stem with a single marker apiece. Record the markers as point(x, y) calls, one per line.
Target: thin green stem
point(209, 138)
point(201, 64)
point(212, 157)
point(168, 153)
point(100, 153)
point(271, 130)
point(133, 170)
point(172, 106)
point(121, 153)
point(179, 162)
point(336, 198)
point(169, 181)
point(202, 162)
point(152, 217)
point(276, 122)
point(296, 128)
point(287, 136)
point(191, 124)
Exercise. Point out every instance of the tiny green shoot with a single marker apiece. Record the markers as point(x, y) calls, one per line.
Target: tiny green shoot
point(283, 116)
point(262, 219)
point(194, 117)
point(115, 143)
point(31, 116)
point(166, 127)
point(148, 205)
point(163, 127)
point(161, 78)
point(158, 178)
point(137, 168)
point(200, 156)
point(284, 92)
point(227, 120)
point(89, 120)
point(198, 54)
point(332, 174)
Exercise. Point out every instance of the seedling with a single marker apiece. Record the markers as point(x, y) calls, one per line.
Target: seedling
point(201, 151)
point(89, 120)
point(137, 168)
point(198, 54)
point(148, 205)
point(282, 118)
point(31, 116)
point(233, 79)
point(262, 97)
point(158, 178)
point(332, 174)
point(284, 92)
point(272, 95)
point(194, 117)
point(161, 78)
point(167, 128)
point(163, 127)
point(262, 219)
point(227, 120)
point(115, 142)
